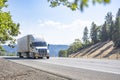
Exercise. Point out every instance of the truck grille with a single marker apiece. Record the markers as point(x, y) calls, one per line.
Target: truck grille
point(42, 51)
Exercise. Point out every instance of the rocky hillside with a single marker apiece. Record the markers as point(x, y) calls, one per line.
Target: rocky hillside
point(99, 50)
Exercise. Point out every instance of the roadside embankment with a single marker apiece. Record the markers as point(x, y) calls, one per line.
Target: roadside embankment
point(13, 71)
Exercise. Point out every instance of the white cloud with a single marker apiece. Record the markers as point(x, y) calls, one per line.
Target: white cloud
point(50, 23)
point(74, 24)
point(57, 32)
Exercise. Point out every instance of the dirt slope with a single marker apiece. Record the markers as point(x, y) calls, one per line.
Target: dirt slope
point(99, 50)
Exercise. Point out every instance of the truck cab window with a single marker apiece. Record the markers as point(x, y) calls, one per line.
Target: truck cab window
point(39, 44)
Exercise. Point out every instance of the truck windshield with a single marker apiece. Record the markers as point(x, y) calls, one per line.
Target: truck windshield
point(39, 44)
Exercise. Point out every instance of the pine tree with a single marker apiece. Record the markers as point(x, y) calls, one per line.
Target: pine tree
point(93, 33)
point(118, 13)
point(109, 25)
point(116, 30)
point(116, 35)
point(111, 30)
point(85, 36)
point(104, 33)
point(108, 18)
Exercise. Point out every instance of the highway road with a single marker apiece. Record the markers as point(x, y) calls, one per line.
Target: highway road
point(75, 68)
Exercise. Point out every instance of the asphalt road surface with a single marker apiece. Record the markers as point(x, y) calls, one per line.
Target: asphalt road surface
point(75, 68)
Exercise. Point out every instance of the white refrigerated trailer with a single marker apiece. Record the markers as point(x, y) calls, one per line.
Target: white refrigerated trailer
point(32, 46)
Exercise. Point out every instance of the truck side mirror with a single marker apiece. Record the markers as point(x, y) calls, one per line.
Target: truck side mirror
point(48, 46)
point(30, 45)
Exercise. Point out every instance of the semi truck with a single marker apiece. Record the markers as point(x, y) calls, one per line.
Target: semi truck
point(32, 46)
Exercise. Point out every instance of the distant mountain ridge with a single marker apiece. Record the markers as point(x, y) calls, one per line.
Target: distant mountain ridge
point(9, 49)
point(53, 49)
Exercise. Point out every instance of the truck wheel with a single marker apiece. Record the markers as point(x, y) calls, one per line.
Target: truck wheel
point(36, 57)
point(33, 56)
point(48, 57)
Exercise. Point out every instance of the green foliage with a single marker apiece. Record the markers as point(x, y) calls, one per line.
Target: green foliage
point(75, 4)
point(11, 54)
point(1, 49)
point(63, 53)
point(2, 4)
point(2, 53)
point(110, 30)
point(75, 46)
point(8, 29)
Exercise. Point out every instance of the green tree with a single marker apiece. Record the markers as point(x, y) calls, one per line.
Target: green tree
point(108, 18)
point(8, 29)
point(94, 33)
point(75, 4)
point(98, 33)
point(111, 30)
point(104, 33)
point(109, 23)
point(63, 53)
point(116, 35)
point(85, 36)
point(75, 46)
point(116, 30)
point(118, 13)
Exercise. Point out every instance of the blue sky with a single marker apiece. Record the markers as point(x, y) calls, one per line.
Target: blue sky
point(58, 25)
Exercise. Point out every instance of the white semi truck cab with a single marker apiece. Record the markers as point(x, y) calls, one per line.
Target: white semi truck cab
point(33, 46)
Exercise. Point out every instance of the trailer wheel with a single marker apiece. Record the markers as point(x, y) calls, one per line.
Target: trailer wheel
point(28, 55)
point(20, 56)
